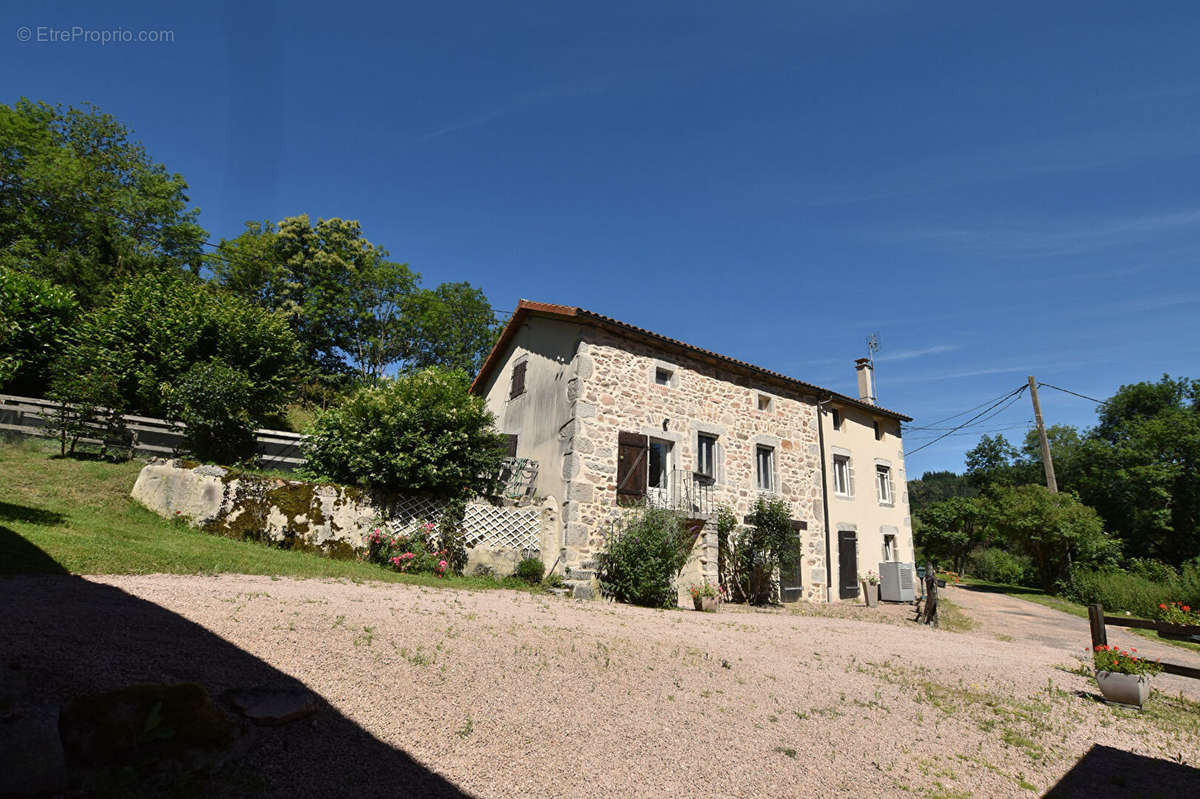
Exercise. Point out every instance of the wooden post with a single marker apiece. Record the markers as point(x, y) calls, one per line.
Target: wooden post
point(1096, 621)
point(1047, 461)
point(931, 599)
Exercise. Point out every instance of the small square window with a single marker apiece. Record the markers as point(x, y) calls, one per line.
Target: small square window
point(663, 376)
point(765, 403)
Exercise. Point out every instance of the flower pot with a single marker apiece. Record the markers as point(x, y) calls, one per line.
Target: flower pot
point(871, 592)
point(708, 604)
point(1127, 689)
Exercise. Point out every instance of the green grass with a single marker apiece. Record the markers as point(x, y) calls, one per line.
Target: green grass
point(63, 514)
point(1065, 605)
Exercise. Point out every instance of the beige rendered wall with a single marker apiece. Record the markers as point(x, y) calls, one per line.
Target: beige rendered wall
point(863, 512)
point(540, 415)
point(620, 394)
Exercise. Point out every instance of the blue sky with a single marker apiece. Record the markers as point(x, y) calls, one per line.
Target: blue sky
point(997, 191)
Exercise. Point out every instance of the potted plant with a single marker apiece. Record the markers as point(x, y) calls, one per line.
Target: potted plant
point(1181, 617)
point(870, 585)
point(704, 597)
point(1123, 676)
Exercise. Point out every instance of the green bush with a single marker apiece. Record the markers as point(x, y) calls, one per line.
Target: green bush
point(767, 544)
point(643, 560)
point(998, 566)
point(419, 433)
point(1119, 591)
point(215, 402)
point(530, 570)
point(35, 315)
point(165, 340)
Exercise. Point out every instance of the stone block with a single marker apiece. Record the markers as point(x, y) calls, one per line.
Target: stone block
point(576, 534)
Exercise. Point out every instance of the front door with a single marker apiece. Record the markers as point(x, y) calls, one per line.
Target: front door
point(848, 563)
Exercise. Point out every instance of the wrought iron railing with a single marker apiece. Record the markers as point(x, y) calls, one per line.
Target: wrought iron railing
point(685, 492)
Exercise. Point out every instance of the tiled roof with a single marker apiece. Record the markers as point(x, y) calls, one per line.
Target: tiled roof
point(527, 308)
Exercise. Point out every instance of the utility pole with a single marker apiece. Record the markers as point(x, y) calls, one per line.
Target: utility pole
point(1047, 461)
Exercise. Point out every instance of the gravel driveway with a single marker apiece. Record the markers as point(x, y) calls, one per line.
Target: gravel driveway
point(429, 692)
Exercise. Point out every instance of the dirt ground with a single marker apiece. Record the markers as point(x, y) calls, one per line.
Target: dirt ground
point(428, 692)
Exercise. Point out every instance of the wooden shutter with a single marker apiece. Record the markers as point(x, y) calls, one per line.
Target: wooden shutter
point(632, 455)
point(518, 379)
point(510, 444)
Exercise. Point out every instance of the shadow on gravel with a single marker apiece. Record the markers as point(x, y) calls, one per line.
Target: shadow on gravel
point(62, 636)
point(1105, 773)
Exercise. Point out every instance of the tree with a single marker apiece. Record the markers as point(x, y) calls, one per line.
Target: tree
point(420, 433)
point(146, 350)
point(348, 302)
point(1140, 467)
point(990, 462)
point(947, 531)
point(766, 545)
point(35, 315)
point(934, 487)
point(1054, 530)
point(84, 206)
point(1066, 450)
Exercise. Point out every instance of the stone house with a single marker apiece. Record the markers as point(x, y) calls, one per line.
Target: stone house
point(615, 415)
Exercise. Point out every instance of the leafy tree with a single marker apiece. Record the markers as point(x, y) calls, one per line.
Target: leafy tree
point(934, 487)
point(165, 340)
point(1054, 530)
point(1066, 450)
point(34, 317)
point(991, 461)
point(84, 206)
point(947, 531)
point(1140, 467)
point(767, 544)
point(419, 433)
point(347, 301)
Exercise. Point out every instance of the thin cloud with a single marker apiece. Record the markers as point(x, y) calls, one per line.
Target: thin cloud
point(908, 355)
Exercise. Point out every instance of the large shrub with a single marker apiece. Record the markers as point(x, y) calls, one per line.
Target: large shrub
point(998, 566)
point(420, 433)
point(643, 560)
point(34, 317)
point(768, 544)
point(1139, 589)
point(165, 340)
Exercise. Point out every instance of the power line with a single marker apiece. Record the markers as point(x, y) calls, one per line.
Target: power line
point(933, 425)
point(1015, 394)
point(1075, 393)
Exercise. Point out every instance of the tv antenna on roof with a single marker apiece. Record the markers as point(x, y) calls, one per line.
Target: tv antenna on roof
point(872, 348)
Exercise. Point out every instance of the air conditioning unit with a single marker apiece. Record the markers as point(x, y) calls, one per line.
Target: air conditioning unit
point(896, 581)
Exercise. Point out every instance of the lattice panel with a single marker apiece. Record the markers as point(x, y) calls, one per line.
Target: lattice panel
point(485, 525)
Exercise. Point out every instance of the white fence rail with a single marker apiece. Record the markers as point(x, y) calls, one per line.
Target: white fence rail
point(32, 417)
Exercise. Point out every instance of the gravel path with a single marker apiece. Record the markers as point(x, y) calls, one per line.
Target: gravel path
point(433, 692)
point(1001, 615)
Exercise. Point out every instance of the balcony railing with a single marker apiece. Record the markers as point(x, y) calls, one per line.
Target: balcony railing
point(685, 492)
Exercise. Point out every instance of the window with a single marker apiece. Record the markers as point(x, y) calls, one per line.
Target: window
point(765, 403)
point(878, 431)
point(889, 547)
point(765, 468)
point(843, 480)
point(658, 475)
point(706, 456)
point(662, 376)
point(837, 419)
point(518, 379)
point(883, 483)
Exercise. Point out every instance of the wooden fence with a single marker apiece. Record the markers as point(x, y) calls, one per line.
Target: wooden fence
point(1175, 632)
point(26, 416)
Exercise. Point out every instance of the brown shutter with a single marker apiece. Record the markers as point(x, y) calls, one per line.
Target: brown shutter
point(510, 444)
point(518, 379)
point(632, 453)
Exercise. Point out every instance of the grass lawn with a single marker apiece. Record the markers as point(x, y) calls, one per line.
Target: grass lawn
point(1066, 606)
point(78, 513)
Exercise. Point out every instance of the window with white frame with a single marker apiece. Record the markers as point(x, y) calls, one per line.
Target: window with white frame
point(843, 483)
point(706, 455)
point(659, 461)
point(883, 484)
point(764, 459)
point(889, 547)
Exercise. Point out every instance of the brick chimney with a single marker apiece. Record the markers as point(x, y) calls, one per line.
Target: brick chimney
point(866, 380)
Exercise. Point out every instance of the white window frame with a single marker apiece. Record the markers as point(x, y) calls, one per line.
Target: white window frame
point(890, 553)
point(843, 480)
point(660, 492)
point(711, 471)
point(769, 473)
point(883, 485)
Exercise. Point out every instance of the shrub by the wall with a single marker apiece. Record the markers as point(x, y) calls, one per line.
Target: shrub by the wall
point(998, 566)
point(767, 544)
point(643, 560)
point(530, 570)
point(419, 433)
